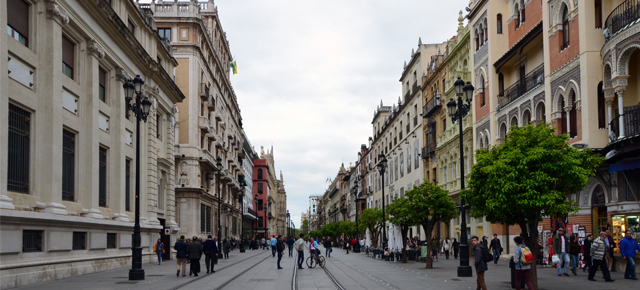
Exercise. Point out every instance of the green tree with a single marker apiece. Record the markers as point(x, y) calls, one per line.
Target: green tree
point(371, 218)
point(304, 228)
point(527, 178)
point(427, 205)
point(400, 215)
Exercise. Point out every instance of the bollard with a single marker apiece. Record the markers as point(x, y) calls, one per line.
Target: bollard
point(512, 266)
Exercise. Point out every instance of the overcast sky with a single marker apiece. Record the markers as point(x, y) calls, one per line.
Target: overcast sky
point(311, 72)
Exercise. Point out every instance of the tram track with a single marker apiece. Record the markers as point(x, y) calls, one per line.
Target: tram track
point(294, 280)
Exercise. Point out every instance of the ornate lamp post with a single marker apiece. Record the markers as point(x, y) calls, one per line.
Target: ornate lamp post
point(382, 165)
point(140, 109)
point(243, 183)
point(219, 167)
point(288, 224)
point(464, 270)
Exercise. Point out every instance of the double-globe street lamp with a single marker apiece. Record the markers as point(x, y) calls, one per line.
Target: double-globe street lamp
point(382, 165)
point(140, 109)
point(464, 270)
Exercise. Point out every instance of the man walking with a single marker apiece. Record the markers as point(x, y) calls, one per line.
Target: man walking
point(290, 243)
point(496, 247)
point(587, 252)
point(181, 256)
point(561, 248)
point(263, 242)
point(327, 247)
point(481, 266)
point(361, 245)
point(273, 243)
point(210, 251)
point(598, 253)
point(195, 252)
point(299, 246)
point(628, 248)
point(280, 249)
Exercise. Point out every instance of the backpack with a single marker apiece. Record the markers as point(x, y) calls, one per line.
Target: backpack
point(486, 256)
point(527, 256)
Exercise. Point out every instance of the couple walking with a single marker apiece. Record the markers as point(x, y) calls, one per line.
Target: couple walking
point(194, 251)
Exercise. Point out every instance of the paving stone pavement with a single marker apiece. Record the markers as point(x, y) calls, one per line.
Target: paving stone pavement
point(258, 270)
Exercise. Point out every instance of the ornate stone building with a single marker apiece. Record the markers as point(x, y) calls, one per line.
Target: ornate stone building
point(67, 186)
point(277, 199)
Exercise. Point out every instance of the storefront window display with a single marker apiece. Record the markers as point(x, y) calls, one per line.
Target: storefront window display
point(621, 223)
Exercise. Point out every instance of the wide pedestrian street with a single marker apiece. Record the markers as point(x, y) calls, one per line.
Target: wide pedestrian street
point(257, 269)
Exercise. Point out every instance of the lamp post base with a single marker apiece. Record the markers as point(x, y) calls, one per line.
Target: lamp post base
point(465, 271)
point(136, 274)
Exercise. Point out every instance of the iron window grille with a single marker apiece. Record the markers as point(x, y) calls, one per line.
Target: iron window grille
point(79, 241)
point(102, 188)
point(111, 240)
point(31, 241)
point(19, 147)
point(208, 219)
point(68, 165)
point(127, 185)
point(203, 218)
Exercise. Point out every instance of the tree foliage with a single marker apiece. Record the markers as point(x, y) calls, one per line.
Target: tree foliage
point(528, 178)
point(401, 216)
point(371, 218)
point(427, 205)
point(304, 228)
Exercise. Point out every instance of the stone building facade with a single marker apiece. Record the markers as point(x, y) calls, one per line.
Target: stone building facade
point(67, 186)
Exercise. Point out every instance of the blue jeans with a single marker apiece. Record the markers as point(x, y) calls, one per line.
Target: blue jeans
point(496, 256)
point(300, 259)
point(273, 251)
point(574, 263)
point(159, 256)
point(563, 257)
point(630, 272)
point(290, 251)
point(362, 248)
point(328, 252)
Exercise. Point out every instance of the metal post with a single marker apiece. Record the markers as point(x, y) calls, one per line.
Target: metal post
point(384, 222)
point(136, 272)
point(464, 270)
point(219, 189)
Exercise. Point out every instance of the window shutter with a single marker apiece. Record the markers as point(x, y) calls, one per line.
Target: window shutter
point(67, 51)
point(18, 16)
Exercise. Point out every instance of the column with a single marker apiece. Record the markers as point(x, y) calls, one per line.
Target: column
point(568, 112)
point(608, 99)
point(620, 92)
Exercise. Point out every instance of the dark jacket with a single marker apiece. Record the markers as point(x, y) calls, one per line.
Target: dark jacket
point(181, 249)
point(587, 248)
point(279, 246)
point(327, 243)
point(557, 244)
point(210, 246)
point(575, 248)
point(195, 250)
point(226, 246)
point(290, 242)
point(481, 265)
point(495, 245)
point(456, 245)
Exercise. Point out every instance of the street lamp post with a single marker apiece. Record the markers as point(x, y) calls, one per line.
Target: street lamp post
point(140, 109)
point(382, 165)
point(464, 270)
point(288, 224)
point(243, 183)
point(219, 167)
point(357, 199)
point(255, 229)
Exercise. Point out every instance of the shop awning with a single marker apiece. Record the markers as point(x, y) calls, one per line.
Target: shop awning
point(629, 165)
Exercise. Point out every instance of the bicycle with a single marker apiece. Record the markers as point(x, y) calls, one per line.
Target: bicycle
point(312, 261)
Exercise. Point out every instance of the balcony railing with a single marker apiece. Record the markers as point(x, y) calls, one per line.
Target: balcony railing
point(623, 15)
point(631, 124)
point(252, 212)
point(423, 154)
point(431, 148)
point(524, 85)
point(204, 91)
point(432, 105)
point(407, 95)
point(414, 88)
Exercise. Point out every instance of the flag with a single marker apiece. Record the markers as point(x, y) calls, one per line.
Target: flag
point(234, 67)
point(327, 180)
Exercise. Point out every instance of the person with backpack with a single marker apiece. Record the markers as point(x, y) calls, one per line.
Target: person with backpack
point(480, 261)
point(523, 259)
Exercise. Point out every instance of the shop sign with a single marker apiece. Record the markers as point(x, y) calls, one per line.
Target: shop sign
point(629, 165)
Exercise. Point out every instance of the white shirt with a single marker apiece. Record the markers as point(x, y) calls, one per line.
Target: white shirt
point(361, 242)
point(563, 245)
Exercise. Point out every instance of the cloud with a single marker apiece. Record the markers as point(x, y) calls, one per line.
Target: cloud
point(311, 72)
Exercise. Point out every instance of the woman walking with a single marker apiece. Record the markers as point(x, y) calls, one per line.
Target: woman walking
point(574, 251)
point(158, 248)
point(456, 248)
point(521, 268)
point(446, 246)
point(435, 245)
point(226, 246)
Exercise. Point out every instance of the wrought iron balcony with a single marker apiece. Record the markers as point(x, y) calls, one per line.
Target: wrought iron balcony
point(623, 15)
point(414, 88)
point(424, 153)
point(522, 86)
point(431, 106)
point(631, 119)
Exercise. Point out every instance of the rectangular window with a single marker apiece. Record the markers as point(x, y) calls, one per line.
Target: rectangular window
point(127, 185)
point(158, 127)
point(208, 217)
point(18, 20)
point(68, 165)
point(131, 27)
point(203, 219)
point(260, 188)
point(68, 56)
point(79, 241)
point(19, 147)
point(102, 187)
point(102, 81)
point(260, 222)
point(31, 241)
point(260, 207)
point(112, 240)
point(165, 33)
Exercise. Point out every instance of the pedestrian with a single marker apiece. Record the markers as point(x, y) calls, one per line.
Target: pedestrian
point(327, 247)
point(226, 247)
point(195, 252)
point(574, 252)
point(312, 248)
point(188, 261)
point(354, 244)
point(210, 250)
point(456, 248)
point(522, 269)
point(611, 244)
point(434, 248)
point(446, 246)
point(347, 245)
point(181, 256)
point(280, 249)
point(628, 248)
point(481, 266)
point(158, 248)
point(361, 245)
point(263, 242)
point(562, 248)
point(598, 255)
point(496, 248)
point(299, 246)
point(485, 242)
point(273, 243)
point(290, 242)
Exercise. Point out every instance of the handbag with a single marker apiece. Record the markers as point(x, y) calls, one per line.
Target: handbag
point(555, 259)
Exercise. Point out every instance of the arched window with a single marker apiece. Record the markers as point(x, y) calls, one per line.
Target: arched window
point(500, 84)
point(516, 11)
point(573, 115)
point(563, 125)
point(481, 35)
point(482, 97)
point(486, 35)
point(523, 15)
point(259, 173)
point(499, 23)
point(565, 27)
point(602, 123)
point(477, 40)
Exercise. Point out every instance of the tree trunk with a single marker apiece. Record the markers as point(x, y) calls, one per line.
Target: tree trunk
point(404, 230)
point(427, 231)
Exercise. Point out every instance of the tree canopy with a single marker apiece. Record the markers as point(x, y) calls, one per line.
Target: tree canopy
point(371, 218)
point(401, 216)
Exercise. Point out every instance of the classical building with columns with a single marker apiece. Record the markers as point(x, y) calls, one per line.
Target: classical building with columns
point(67, 186)
point(210, 139)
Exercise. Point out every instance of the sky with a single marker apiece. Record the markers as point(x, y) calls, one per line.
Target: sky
point(311, 73)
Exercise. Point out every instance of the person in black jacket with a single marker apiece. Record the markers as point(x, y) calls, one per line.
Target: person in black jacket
point(496, 247)
point(280, 250)
point(290, 242)
point(456, 248)
point(181, 256)
point(210, 251)
point(195, 252)
point(481, 266)
point(586, 256)
point(327, 247)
